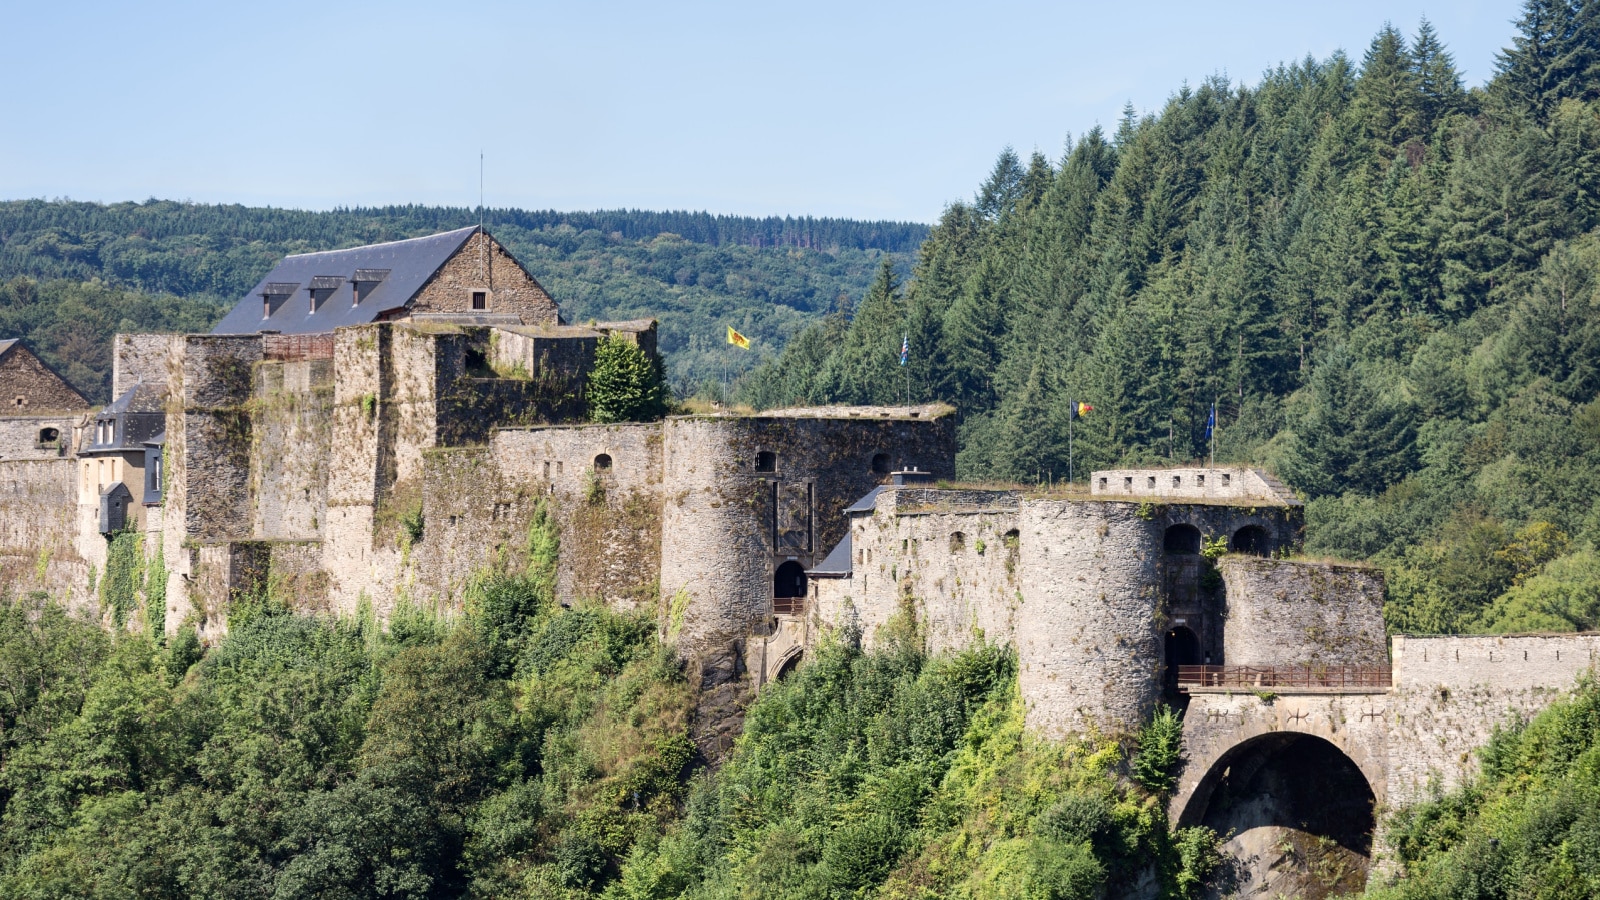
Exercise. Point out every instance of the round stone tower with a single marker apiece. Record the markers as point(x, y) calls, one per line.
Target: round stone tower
point(1088, 638)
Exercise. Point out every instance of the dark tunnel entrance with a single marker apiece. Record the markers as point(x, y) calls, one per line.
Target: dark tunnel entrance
point(1181, 647)
point(1297, 814)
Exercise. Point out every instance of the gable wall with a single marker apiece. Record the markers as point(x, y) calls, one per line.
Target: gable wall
point(27, 386)
point(512, 291)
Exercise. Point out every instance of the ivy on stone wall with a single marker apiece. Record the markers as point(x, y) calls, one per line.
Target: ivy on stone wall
point(155, 596)
point(119, 589)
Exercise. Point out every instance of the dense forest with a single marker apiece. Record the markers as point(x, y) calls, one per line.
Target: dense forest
point(1385, 283)
point(124, 266)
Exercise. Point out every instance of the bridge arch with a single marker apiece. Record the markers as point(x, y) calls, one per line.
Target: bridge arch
point(1299, 814)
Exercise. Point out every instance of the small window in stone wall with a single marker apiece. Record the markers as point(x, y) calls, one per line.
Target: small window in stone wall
point(880, 463)
point(958, 542)
point(1012, 539)
point(49, 435)
point(1152, 482)
point(547, 469)
point(1127, 483)
point(22, 401)
point(1177, 481)
point(559, 466)
point(1226, 479)
point(1103, 483)
point(480, 300)
point(766, 461)
point(602, 463)
point(1200, 480)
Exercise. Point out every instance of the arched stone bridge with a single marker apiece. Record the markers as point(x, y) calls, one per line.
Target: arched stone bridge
point(1301, 775)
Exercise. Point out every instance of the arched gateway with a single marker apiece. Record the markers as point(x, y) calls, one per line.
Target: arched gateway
point(1294, 781)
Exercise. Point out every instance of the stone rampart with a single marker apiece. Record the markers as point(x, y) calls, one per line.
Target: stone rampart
point(1451, 692)
point(1294, 613)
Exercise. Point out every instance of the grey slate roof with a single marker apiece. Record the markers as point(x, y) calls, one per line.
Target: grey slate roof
point(838, 562)
point(7, 345)
point(865, 504)
point(141, 398)
point(409, 264)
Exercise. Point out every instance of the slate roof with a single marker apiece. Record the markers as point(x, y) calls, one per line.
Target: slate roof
point(409, 264)
point(141, 398)
point(838, 562)
point(865, 504)
point(6, 345)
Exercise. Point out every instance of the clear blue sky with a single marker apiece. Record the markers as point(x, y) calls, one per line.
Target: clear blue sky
point(861, 109)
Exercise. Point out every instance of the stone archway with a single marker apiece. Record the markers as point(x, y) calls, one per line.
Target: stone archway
point(1298, 815)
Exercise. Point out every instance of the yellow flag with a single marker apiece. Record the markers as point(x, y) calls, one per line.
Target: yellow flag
point(737, 339)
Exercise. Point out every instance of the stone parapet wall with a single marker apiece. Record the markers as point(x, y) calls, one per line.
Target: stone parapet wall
point(1226, 485)
point(1293, 613)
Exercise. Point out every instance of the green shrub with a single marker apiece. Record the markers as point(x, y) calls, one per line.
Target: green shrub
point(626, 384)
point(1160, 746)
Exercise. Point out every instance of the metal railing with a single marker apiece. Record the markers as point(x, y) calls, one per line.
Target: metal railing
point(1262, 677)
point(788, 606)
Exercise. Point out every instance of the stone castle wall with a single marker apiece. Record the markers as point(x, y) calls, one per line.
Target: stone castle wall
point(1283, 613)
point(610, 517)
point(141, 358)
point(726, 525)
point(949, 558)
point(292, 430)
point(1451, 692)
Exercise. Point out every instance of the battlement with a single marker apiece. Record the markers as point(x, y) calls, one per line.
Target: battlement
point(1231, 485)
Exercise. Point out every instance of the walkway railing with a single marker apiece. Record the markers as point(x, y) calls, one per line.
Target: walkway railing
point(1261, 677)
point(788, 606)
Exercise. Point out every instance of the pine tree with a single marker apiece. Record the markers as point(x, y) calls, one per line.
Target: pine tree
point(1438, 81)
point(1388, 98)
point(864, 366)
point(1003, 187)
point(1539, 66)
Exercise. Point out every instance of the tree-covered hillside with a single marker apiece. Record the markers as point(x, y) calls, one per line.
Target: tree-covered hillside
point(696, 272)
point(1385, 282)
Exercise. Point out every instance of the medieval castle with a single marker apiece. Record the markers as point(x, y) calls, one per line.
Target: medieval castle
point(379, 424)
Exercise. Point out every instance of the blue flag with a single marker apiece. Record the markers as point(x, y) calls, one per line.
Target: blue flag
point(1211, 421)
point(905, 348)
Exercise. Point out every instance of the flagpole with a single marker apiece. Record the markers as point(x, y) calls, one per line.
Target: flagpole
point(1071, 414)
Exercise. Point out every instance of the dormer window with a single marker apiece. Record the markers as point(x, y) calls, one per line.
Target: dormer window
point(363, 282)
point(322, 287)
point(273, 296)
